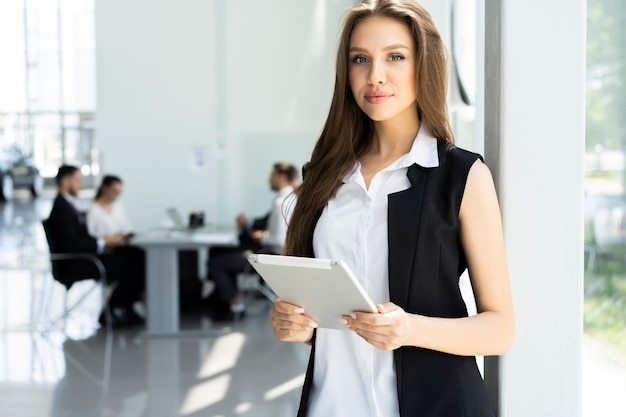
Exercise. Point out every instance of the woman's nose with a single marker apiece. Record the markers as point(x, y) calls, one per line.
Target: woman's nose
point(377, 74)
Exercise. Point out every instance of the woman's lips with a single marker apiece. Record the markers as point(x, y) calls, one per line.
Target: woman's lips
point(376, 98)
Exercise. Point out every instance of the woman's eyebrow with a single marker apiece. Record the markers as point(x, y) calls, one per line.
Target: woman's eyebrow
point(386, 48)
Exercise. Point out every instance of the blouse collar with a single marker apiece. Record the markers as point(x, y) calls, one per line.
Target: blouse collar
point(423, 153)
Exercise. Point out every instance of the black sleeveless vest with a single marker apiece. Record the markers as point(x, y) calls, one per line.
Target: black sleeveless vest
point(426, 260)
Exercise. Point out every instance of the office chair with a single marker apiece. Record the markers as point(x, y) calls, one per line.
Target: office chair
point(249, 281)
point(100, 279)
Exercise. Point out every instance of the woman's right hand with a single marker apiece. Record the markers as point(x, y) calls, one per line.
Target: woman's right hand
point(289, 324)
point(111, 241)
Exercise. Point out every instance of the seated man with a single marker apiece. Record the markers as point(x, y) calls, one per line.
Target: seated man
point(250, 236)
point(264, 235)
point(125, 266)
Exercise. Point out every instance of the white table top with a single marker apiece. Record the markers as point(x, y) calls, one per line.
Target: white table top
point(187, 238)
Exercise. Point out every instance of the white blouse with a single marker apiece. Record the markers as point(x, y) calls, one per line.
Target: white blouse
point(280, 214)
point(351, 377)
point(102, 223)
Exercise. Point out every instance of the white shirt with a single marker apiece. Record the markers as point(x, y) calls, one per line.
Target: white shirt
point(102, 223)
point(351, 377)
point(280, 213)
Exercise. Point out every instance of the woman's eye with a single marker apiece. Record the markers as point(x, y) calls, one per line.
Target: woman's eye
point(359, 59)
point(396, 57)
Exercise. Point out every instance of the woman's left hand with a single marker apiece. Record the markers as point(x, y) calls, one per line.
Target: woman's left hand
point(387, 330)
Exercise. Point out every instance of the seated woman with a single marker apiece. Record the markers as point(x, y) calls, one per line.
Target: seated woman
point(107, 216)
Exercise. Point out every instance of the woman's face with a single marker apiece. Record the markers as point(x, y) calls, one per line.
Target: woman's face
point(113, 191)
point(381, 68)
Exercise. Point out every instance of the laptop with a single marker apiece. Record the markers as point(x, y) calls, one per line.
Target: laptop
point(177, 219)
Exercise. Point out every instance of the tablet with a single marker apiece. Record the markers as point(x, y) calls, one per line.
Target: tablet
point(326, 289)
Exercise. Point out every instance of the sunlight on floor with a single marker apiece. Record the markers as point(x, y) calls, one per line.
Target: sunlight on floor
point(282, 389)
point(205, 394)
point(223, 355)
point(243, 408)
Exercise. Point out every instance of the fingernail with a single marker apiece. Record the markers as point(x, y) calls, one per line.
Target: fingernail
point(343, 321)
point(353, 315)
point(299, 310)
point(312, 324)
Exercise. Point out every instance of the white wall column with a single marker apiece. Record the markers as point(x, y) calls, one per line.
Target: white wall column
point(534, 113)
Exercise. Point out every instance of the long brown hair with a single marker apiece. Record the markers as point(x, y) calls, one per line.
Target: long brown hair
point(348, 131)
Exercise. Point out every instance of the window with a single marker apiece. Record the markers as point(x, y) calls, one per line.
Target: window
point(605, 198)
point(47, 81)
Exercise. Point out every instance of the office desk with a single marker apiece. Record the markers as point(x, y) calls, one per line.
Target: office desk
point(162, 246)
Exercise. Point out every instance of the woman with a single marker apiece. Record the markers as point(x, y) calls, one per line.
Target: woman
point(107, 216)
point(387, 192)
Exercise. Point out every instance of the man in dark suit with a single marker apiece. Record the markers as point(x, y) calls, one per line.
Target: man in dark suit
point(125, 265)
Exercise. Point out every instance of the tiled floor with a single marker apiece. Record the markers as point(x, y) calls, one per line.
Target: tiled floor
point(81, 371)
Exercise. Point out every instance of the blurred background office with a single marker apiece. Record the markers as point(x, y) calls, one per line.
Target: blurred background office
point(190, 101)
